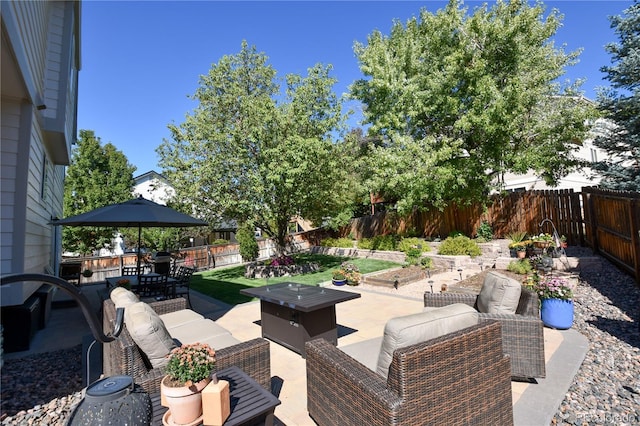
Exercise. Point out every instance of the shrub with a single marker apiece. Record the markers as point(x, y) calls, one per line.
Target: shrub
point(246, 237)
point(459, 246)
point(516, 237)
point(337, 242)
point(521, 267)
point(485, 231)
point(219, 241)
point(379, 242)
point(426, 262)
point(455, 234)
point(413, 256)
point(407, 244)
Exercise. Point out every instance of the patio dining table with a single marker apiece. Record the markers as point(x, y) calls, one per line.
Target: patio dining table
point(112, 282)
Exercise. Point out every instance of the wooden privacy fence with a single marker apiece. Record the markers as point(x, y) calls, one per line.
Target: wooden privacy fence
point(607, 221)
point(515, 211)
point(612, 226)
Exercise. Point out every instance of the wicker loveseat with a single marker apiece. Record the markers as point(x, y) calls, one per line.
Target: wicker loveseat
point(123, 357)
point(522, 332)
point(458, 378)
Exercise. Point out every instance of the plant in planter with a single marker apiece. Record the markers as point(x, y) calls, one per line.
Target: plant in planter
point(520, 249)
point(125, 283)
point(543, 240)
point(338, 277)
point(556, 301)
point(351, 273)
point(189, 371)
point(563, 241)
point(87, 273)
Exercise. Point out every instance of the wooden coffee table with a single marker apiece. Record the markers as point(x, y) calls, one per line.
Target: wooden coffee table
point(250, 402)
point(292, 314)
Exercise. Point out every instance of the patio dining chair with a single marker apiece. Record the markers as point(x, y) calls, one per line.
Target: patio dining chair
point(183, 282)
point(153, 286)
point(129, 270)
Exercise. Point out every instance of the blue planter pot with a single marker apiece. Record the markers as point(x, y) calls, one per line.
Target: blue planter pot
point(557, 313)
point(339, 282)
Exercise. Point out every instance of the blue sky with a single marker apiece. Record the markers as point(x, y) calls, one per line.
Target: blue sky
point(141, 60)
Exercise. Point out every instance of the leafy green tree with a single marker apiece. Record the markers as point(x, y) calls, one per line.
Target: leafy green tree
point(621, 105)
point(97, 176)
point(250, 152)
point(459, 99)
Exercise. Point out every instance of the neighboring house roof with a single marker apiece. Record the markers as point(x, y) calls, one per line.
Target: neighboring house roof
point(153, 186)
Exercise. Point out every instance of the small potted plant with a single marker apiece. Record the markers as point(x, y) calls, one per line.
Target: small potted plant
point(124, 282)
point(351, 273)
point(189, 371)
point(338, 277)
point(563, 241)
point(556, 301)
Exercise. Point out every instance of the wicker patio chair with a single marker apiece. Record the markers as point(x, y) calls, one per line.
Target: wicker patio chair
point(122, 356)
point(459, 378)
point(522, 332)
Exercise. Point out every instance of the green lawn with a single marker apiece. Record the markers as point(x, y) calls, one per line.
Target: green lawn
point(225, 284)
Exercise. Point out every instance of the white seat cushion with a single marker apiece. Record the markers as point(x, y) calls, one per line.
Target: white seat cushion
point(499, 294)
point(408, 330)
point(121, 297)
point(181, 317)
point(197, 331)
point(149, 332)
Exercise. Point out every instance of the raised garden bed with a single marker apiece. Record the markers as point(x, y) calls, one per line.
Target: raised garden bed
point(399, 277)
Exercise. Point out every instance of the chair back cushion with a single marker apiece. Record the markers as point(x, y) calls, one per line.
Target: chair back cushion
point(149, 332)
point(499, 294)
point(121, 297)
point(408, 330)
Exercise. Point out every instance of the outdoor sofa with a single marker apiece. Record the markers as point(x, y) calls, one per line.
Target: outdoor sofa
point(124, 357)
point(522, 328)
point(460, 377)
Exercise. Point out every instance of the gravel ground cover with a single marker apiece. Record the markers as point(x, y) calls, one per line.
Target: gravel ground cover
point(43, 389)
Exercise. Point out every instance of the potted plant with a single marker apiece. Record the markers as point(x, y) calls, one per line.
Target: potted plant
point(563, 241)
point(543, 240)
point(556, 301)
point(87, 273)
point(125, 283)
point(520, 248)
point(189, 370)
point(338, 277)
point(351, 273)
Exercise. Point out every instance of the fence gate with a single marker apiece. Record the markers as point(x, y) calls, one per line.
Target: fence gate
point(612, 224)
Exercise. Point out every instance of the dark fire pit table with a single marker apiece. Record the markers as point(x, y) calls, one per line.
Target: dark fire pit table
point(292, 314)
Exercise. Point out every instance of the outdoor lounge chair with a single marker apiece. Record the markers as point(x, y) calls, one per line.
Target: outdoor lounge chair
point(522, 331)
point(458, 378)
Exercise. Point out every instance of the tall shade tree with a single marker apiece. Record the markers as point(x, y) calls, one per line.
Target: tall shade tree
point(621, 105)
point(250, 152)
point(97, 176)
point(460, 99)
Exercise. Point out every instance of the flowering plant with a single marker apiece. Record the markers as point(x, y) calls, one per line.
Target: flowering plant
point(282, 261)
point(545, 238)
point(552, 288)
point(191, 363)
point(351, 273)
point(125, 283)
point(338, 275)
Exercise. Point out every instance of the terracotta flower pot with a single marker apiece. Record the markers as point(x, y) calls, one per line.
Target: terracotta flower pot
point(185, 403)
